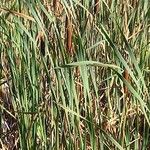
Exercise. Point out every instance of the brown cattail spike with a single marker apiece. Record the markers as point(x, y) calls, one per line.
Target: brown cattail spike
point(41, 42)
point(42, 46)
point(96, 6)
point(55, 5)
point(69, 35)
point(126, 76)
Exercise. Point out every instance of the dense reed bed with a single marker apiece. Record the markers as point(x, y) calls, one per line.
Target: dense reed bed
point(74, 74)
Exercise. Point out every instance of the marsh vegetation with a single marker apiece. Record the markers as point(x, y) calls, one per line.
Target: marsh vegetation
point(74, 74)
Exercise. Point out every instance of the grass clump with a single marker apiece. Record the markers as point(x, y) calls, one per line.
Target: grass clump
point(74, 74)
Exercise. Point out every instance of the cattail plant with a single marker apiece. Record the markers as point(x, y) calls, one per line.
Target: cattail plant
point(56, 5)
point(69, 34)
point(96, 6)
point(68, 69)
